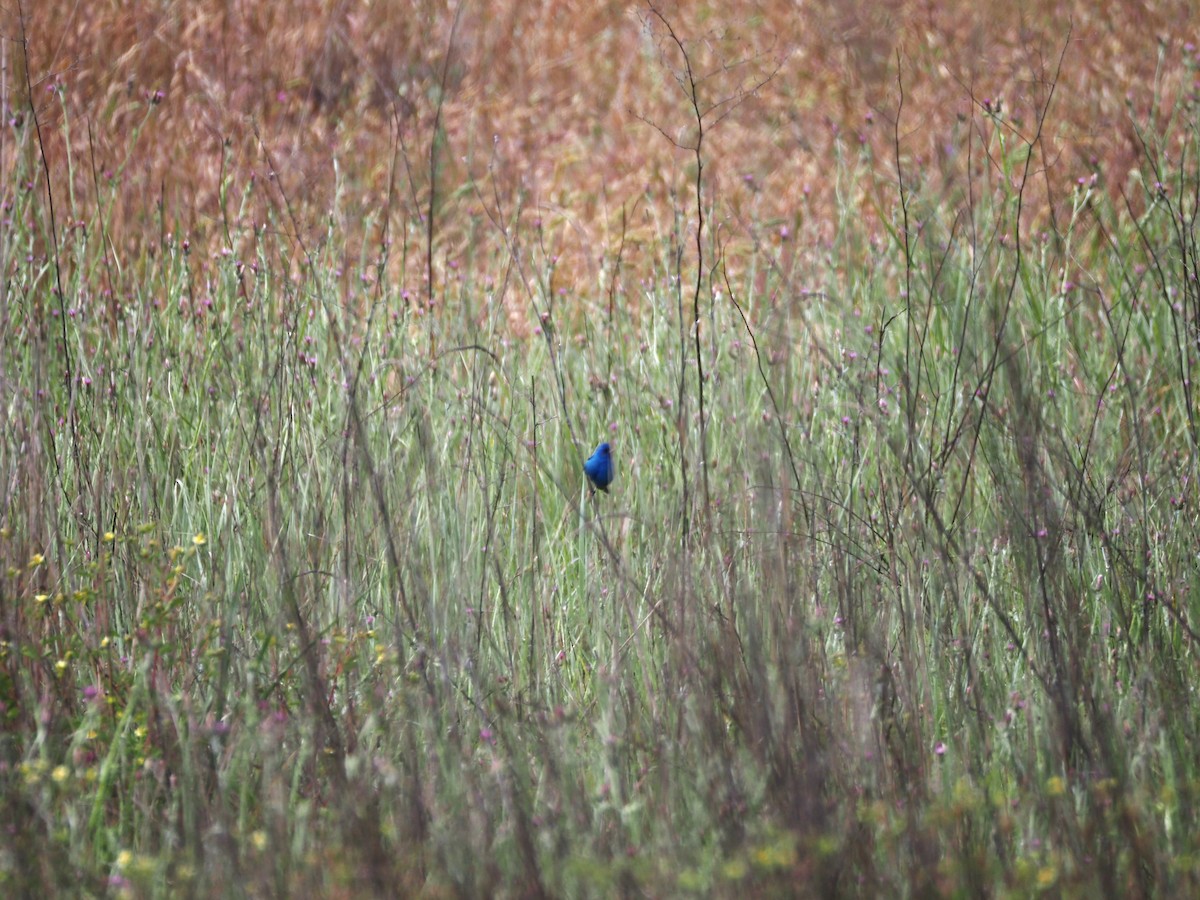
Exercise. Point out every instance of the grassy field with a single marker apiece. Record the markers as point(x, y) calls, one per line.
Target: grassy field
point(310, 315)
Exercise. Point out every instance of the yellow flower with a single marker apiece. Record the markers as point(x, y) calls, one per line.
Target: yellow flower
point(734, 870)
point(200, 540)
point(259, 840)
point(36, 560)
point(41, 598)
point(1055, 786)
point(109, 537)
point(60, 774)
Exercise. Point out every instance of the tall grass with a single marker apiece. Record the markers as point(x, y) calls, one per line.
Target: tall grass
point(301, 590)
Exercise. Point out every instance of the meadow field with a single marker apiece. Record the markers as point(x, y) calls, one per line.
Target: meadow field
point(311, 312)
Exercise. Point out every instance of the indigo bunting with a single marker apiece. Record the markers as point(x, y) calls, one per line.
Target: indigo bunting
point(599, 468)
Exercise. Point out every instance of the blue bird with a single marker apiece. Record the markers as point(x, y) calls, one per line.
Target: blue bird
point(599, 468)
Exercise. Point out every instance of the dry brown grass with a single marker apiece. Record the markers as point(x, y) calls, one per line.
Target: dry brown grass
point(550, 108)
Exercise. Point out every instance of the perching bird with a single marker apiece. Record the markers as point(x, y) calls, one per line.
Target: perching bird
point(599, 467)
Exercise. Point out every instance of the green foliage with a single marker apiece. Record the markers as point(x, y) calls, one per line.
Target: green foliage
point(301, 588)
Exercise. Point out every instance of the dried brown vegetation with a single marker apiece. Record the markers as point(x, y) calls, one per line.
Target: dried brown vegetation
point(562, 113)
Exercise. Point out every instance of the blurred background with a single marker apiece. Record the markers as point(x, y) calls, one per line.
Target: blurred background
point(571, 116)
